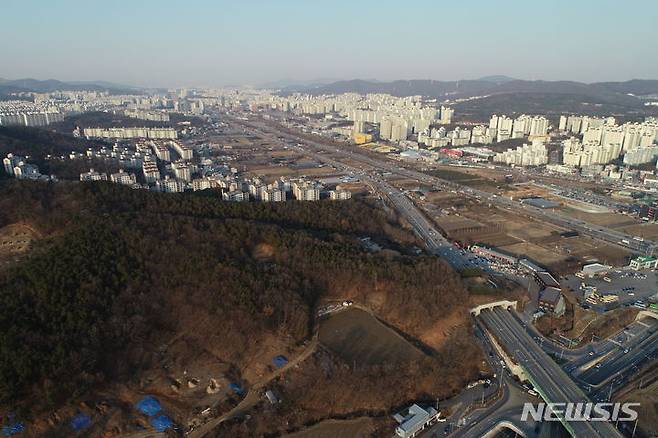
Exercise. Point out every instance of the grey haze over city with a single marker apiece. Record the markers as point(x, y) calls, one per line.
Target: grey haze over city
point(349, 219)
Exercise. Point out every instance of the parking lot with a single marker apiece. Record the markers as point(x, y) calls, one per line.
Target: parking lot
point(628, 285)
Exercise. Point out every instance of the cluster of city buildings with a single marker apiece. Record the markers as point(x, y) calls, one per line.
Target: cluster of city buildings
point(168, 166)
point(392, 118)
point(604, 141)
point(500, 128)
point(45, 108)
point(119, 133)
point(301, 189)
point(162, 165)
point(233, 188)
point(505, 128)
point(150, 115)
point(534, 154)
point(19, 168)
point(26, 113)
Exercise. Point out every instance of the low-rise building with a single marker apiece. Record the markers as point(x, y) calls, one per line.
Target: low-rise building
point(306, 190)
point(594, 269)
point(413, 420)
point(235, 196)
point(122, 177)
point(545, 280)
point(552, 301)
point(92, 175)
point(169, 185)
point(340, 195)
point(644, 262)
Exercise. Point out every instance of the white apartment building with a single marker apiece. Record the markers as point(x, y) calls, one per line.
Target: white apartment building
point(182, 171)
point(169, 185)
point(183, 151)
point(203, 184)
point(446, 115)
point(273, 195)
point(153, 133)
point(235, 196)
point(306, 190)
point(579, 154)
point(151, 171)
point(340, 195)
point(640, 155)
point(122, 177)
point(30, 118)
point(10, 162)
point(161, 151)
point(534, 154)
point(92, 175)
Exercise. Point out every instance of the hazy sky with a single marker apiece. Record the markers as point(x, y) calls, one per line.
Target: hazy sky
point(206, 43)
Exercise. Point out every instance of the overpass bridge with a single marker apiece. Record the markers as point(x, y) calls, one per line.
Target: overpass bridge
point(507, 305)
point(646, 314)
point(501, 426)
point(549, 380)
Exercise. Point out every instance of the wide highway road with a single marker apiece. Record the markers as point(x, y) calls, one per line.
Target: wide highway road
point(610, 372)
point(550, 380)
point(595, 231)
point(436, 243)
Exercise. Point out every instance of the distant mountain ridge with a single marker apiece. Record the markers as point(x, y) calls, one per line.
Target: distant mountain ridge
point(497, 79)
point(618, 93)
point(49, 85)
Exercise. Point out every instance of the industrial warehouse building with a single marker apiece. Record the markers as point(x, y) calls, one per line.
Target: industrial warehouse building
point(594, 269)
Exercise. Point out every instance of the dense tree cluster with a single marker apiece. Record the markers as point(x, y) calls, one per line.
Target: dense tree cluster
point(37, 143)
point(122, 270)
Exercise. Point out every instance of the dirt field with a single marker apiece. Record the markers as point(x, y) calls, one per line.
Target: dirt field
point(534, 252)
point(471, 221)
point(359, 337)
point(644, 230)
point(610, 220)
point(15, 240)
point(357, 428)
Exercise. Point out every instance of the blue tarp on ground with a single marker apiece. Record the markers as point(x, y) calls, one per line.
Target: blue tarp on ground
point(161, 423)
point(235, 388)
point(280, 361)
point(80, 421)
point(12, 428)
point(149, 405)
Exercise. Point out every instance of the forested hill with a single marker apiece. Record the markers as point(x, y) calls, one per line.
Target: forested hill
point(121, 272)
